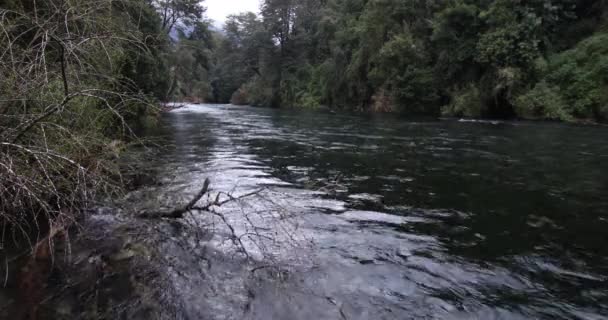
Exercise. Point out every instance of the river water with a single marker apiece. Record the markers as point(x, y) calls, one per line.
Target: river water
point(384, 218)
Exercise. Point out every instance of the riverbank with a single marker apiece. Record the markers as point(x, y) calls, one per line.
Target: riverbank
point(409, 117)
point(115, 266)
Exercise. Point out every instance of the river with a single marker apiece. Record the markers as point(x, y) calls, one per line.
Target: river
point(383, 218)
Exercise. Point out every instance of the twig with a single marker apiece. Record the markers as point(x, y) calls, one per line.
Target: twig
point(5, 271)
point(179, 212)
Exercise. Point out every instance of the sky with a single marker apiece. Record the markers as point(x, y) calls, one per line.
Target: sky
point(218, 10)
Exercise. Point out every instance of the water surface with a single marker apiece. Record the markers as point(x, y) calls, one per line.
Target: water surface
point(408, 219)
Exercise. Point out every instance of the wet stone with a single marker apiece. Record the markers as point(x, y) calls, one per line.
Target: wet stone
point(404, 253)
point(366, 261)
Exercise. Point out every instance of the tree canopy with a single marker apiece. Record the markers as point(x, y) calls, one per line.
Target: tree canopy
point(473, 58)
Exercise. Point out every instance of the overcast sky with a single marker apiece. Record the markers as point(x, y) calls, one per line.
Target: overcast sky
point(218, 10)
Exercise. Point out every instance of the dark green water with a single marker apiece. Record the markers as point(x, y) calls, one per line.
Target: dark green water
point(434, 220)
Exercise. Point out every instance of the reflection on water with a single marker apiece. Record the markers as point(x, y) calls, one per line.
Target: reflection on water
point(440, 220)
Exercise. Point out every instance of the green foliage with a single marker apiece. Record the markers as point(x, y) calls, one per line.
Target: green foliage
point(543, 101)
point(190, 64)
point(415, 91)
point(574, 83)
point(509, 46)
point(145, 68)
point(177, 14)
point(466, 102)
point(455, 37)
point(237, 56)
point(582, 75)
point(476, 57)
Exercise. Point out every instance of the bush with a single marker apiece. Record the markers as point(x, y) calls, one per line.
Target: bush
point(382, 102)
point(543, 101)
point(574, 84)
point(581, 76)
point(466, 102)
point(240, 97)
point(308, 100)
point(62, 111)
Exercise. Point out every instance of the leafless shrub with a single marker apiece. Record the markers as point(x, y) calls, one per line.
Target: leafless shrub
point(59, 99)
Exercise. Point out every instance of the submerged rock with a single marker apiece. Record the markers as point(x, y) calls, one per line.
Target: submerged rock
point(404, 253)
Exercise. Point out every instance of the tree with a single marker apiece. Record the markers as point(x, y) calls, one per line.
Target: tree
point(190, 63)
point(460, 57)
point(178, 13)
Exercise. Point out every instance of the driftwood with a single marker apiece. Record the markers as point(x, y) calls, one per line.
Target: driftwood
point(166, 107)
point(209, 208)
point(179, 212)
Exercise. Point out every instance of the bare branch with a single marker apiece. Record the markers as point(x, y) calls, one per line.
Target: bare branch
point(179, 212)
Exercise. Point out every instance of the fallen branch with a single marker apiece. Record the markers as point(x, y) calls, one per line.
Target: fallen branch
point(218, 203)
point(170, 107)
point(209, 208)
point(179, 212)
point(191, 206)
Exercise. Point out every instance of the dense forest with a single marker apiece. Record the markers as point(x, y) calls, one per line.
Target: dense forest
point(477, 58)
point(78, 76)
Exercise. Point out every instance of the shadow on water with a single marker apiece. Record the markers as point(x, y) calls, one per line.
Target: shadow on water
point(428, 219)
